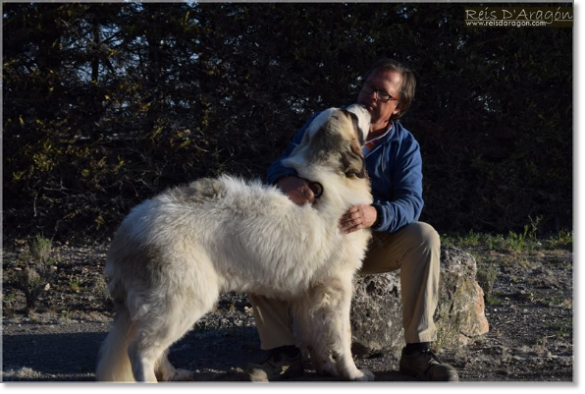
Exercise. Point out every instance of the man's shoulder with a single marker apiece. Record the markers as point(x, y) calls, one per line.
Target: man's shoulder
point(402, 134)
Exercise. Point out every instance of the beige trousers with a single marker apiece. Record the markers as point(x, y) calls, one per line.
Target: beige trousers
point(415, 250)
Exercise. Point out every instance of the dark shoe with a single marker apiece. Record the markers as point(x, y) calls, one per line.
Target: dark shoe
point(424, 365)
point(278, 366)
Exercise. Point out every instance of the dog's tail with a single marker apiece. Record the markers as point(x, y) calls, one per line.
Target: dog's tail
point(113, 361)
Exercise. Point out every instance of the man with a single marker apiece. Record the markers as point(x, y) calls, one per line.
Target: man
point(394, 165)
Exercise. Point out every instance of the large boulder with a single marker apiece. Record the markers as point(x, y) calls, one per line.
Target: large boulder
point(376, 316)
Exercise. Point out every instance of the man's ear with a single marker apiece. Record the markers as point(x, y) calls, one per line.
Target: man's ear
point(397, 110)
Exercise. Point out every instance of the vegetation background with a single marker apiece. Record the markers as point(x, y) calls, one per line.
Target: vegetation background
point(105, 105)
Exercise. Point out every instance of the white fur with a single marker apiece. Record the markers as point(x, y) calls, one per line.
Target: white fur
point(174, 254)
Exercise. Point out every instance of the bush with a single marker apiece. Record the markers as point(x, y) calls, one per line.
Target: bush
point(108, 104)
point(37, 273)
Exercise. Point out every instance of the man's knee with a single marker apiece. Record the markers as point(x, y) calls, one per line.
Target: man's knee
point(424, 235)
point(422, 261)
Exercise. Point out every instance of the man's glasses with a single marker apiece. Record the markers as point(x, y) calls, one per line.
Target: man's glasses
point(381, 94)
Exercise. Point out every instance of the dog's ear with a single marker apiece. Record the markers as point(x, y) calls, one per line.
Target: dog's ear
point(323, 143)
point(352, 161)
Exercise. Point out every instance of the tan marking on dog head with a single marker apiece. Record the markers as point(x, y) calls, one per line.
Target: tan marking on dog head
point(335, 142)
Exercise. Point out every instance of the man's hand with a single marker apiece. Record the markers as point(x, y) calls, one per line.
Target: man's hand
point(297, 189)
point(358, 217)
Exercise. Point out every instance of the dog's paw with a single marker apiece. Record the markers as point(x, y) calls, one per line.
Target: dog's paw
point(257, 375)
point(364, 375)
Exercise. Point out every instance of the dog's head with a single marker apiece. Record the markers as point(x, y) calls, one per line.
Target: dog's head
point(334, 139)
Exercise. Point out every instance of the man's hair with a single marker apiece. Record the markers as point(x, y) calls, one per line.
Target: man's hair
point(408, 82)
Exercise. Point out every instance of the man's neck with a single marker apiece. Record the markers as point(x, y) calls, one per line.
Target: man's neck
point(377, 130)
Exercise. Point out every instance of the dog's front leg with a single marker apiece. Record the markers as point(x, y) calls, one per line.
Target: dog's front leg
point(340, 331)
point(324, 325)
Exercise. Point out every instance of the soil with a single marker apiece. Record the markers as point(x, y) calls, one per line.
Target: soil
point(529, 308)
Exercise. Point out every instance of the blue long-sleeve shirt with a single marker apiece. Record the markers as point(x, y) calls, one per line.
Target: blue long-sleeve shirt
point(394, 166)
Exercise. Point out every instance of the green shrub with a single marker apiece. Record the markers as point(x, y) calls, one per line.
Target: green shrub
point(37, 272)
point(487, 273)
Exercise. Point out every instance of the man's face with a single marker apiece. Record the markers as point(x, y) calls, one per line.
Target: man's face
point(386, 82)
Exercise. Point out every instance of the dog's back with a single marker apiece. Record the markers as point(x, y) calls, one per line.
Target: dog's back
point(246, 233)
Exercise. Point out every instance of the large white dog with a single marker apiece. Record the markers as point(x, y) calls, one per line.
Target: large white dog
point(174, 254)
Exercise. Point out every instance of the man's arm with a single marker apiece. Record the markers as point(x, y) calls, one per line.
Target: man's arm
point(406, 202)
point(286, 178)
point(277, 170)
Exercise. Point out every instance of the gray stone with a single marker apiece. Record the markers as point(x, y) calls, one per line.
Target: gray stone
point(376, 315)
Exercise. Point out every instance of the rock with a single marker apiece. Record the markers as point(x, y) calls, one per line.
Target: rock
point(461, 305)
point(376, 315)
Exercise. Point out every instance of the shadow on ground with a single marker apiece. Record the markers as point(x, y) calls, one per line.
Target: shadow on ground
point(213, 355)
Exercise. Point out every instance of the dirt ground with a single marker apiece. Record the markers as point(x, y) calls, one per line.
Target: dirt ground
point(530, 311)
